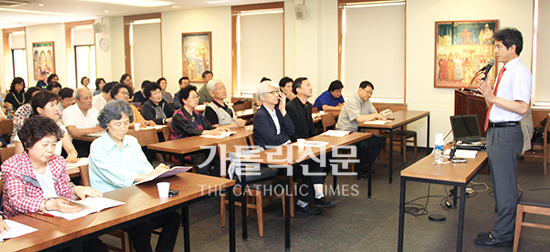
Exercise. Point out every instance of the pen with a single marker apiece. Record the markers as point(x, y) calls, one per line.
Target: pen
point(45, 214)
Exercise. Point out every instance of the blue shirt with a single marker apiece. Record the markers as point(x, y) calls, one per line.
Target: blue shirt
point(326, 98)
point(111, 167)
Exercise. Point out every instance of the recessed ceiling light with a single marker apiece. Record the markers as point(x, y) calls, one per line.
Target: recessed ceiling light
point(140, 3)
point(106, 11)
point(215, 2)
point(37, 12)
point(41, 4)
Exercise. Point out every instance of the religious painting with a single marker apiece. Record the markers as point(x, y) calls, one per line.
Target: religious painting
point(462, 49)
point(43, 59)
point(197, 54)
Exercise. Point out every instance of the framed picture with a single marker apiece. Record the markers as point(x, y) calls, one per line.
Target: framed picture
point(197, 54)
point(462, 48)
point(43, 60)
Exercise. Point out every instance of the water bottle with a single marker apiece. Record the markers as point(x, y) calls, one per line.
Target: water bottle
point(438, 150)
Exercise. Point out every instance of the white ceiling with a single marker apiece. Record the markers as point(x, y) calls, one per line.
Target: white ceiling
point(61, 11)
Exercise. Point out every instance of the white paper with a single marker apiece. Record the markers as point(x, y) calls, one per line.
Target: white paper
point(89, 205)
point(96, 135)
point(223, 135)
point(175, 170)
point(314, 115)
point(313, 143)
point(462, 153)
point(81, 162)
point(377, 122)
point(336, 133)
point(156, 127)
point(16, 229)
point(249, 127)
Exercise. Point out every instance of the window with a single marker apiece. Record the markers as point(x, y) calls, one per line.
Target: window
point(19, 62)
point(15, 63)
point(257, 30)
point(84, 58)
point(541, 62)
point(371, 38)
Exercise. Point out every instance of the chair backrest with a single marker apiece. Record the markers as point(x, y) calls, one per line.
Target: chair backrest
point(243, 106)
point(84, 175)
point(6, 127)
point(314, 110)
point(145, 136)
point(328, 121)
point(230, 145)
point(6, 152)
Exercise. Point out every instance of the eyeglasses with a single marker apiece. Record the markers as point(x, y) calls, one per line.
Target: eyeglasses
point(368, 92)
point(274, 92)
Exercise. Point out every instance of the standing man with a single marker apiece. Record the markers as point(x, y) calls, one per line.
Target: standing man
point(359, 109)
point(507, 105)
point(204, 95)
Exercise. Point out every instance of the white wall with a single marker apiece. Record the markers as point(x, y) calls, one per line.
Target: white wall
point(421, 18)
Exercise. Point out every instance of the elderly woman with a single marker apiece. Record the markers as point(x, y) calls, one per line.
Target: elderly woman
point(156, 108)
point(37, 179)
point(117, 161)
point(188, 122)
point(123, 92)
point(44, 103)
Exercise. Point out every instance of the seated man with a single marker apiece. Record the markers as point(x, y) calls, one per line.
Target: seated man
point(218, 113)
point(204, 95)
point(331, 100)
point(358, 109)
point(100, 100)
point(139, 96)
point(272, 127)
point(117, 161)
point(184, 82)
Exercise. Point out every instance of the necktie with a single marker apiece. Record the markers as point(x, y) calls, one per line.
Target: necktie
point(494, 93)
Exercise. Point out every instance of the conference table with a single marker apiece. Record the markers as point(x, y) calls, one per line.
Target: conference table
point(399, 120)
point(285, 156)
point(164, 129)
point(142, 202)
point(454, 174)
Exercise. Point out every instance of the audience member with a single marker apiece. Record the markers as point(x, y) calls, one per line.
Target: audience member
point(183, 82)
point(53, 77)
point(16, 97)
point(67, 99)
point(204, 95)
point(100, 100)
point(117, 161)
point(188, 122)
point(23, 112)
point(37, 179)
point(99, 83)
point(54, 86)
point(156, 108)
point(138, 96)
point(167, 96)
point(359, 109)
point(332, 99)
point(44, 103)
point(218, 112)
point(123, 92)
point(85, 81)
point(43, 77)
point(286, 87)
point(81, 118)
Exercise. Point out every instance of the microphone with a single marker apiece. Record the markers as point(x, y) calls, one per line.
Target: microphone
point(488, 68)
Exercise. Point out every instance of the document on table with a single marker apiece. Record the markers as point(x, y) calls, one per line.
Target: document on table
point(88, 206)
point(157, 127)
point(16, 229)
point(223, 135)
point(336, 133)
point(313, 143)
point(96, 135)
point(377, 122)
point(175, 170)
point(81, 162)
point(462, 153)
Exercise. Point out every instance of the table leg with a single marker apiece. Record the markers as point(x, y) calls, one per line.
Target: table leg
point(401, 215)
point(244, 205)
point(287, 213)
point(185, 224)
point(76, 245)
point(391, 155)
point(455, 195)
point(428, 137)
point(231, 199)
point(369, 180)
point(461, 217)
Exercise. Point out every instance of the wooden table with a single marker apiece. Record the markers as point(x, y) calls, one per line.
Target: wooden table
point(282, 153)
point(184, 146)
point(244, 114)
point(401, 118)
point(458, 175)
point(143, 202)
point(48, 235)
point(164, 129)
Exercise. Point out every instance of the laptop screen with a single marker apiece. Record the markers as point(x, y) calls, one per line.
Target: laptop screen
point(465, 126)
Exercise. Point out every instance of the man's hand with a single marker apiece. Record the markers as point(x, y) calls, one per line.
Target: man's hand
point(485, 88)
point(282, 103)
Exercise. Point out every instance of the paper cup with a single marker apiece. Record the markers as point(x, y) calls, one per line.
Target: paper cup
point(136, 126)
point(301, 142)
point(163, 188)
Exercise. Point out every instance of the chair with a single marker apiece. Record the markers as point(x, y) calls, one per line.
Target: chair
point(328, 121)
point(400, 138)
point(126, 245)
point(256, 194)
point(535, 202)
point(242, 106)
point(6, 127)
point(543, 151)
point(145, 137)
point(5, 153)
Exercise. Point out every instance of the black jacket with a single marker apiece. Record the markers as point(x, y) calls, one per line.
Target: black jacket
point(265, 133)
point(300, 115)
point(149, 112)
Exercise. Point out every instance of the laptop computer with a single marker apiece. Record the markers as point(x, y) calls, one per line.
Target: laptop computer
point(466, 129)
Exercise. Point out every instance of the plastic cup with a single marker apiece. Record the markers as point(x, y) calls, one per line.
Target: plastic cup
point(136, 126)
point(163, 188)
point(301, 142)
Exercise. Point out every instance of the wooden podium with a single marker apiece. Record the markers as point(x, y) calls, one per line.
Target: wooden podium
point(463, 98)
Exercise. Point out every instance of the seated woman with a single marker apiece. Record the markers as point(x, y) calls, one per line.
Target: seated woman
point(44, 103)
point(156, 108)
point(123, 92)
point(23, 112)
point(188, 122)
point(37, 179)
point(165, 94)
point(116, 161)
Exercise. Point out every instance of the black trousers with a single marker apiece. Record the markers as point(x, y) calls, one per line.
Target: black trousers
point(369, 149)
point(140, 234)
point(305, 191)
point(200, 160)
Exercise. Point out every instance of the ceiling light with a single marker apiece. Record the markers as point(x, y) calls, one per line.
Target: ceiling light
point(139, 3)
point(215, 2)
point(37, 12)
point(106, 11)
point(41, 4)
point(146, 21)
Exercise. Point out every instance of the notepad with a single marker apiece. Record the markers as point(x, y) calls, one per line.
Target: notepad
point(88, 206)
point(175, 170)
point(336, 133)
point(223, 135)
point(16, 229)
point(377, 122)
